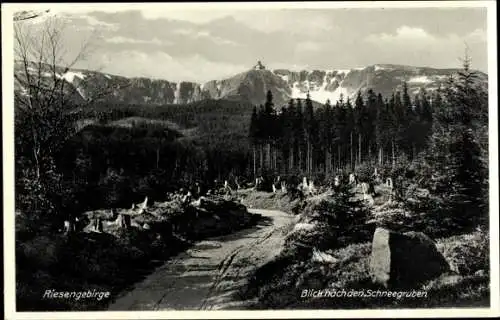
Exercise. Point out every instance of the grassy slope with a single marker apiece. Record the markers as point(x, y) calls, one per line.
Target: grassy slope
point(279, 284)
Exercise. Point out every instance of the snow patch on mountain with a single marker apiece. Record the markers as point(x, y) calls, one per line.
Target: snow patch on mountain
point(219, 87)
point(379, 68)
point(296, 92)
point(81, 92)
point(343, 71)
point(320, 95)
point(177, 93)
point(420, 79)
point(283, 91)
point(252, 85)
point(325, 81)
point(442, 78)
point(70, 76)
point(284, 77)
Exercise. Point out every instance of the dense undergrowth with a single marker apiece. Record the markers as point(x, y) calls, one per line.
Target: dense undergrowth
point(112, 260)
point(330, 247)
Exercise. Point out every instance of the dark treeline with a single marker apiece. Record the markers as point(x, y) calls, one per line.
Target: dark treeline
point(437, 142)
point(374, 129)
point(112, 155)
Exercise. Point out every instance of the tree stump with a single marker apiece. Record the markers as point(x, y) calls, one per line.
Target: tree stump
point(69, 227)
point(124, 221)
point(371, 188)
point(98, 226)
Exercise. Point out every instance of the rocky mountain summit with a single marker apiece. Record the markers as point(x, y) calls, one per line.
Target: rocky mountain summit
point(252, 85)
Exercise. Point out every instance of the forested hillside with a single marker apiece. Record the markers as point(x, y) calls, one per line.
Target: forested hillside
point(437, 141)
point(249, 187)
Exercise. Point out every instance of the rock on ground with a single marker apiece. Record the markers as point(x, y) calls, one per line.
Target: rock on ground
point(404, 259)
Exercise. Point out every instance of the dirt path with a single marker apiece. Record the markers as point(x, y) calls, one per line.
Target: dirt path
point(209, 275)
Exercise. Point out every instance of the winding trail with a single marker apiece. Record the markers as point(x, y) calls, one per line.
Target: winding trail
point(210, 274)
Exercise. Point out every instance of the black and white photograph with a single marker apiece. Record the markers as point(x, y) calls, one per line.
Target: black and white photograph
point(250, 159)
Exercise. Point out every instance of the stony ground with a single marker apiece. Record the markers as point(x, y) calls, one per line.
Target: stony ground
point(114, 259)
point(211, 274)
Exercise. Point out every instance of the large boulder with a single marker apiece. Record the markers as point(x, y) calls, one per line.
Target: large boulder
point(404, 259)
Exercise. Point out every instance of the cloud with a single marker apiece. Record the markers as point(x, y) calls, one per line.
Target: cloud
point(309, 46)
point(183, 31)
point(120, 39)
point(161, 65)
point(204, 34)
point(85, 21)
point(477, 35)
point(94, 22)
point(418, 37)
point(404, 34)
point(196, 16)
point(296, 39)
point(195, 12)
point(416, 46)
point(216, 39)
point(296, 22)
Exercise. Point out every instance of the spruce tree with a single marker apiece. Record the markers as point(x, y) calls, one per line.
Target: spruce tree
point(253, 135)
point(370, 118)
point(457, 171)
point(299, 135)
point(328, 135)
point(381, 128)
point(359, 113)
point(288, 116)
point(411, 130)
point(310, 133)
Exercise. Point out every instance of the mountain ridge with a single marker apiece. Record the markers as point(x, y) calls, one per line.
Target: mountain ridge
point(251, 85)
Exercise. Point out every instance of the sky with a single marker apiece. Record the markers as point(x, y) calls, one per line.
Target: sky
point(180, 44)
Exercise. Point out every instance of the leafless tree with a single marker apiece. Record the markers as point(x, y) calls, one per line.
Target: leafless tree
point(42, 94)
point(30, 14)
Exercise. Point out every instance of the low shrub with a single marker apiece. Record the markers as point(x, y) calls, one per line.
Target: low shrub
point(467, 253)
point(342, 219)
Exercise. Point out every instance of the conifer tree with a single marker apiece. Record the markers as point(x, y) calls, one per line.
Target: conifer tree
point(299, 135)
point(359, 123)
point(253, 135)
point(371, 114)
point(310, 133)
point(328, 135)
point(457, 171)
point(381, 127)
point(289, 136)
point(410, 122)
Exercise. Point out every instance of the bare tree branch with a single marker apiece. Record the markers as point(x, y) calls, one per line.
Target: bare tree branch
point(27, 15)
point(43, 93)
